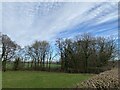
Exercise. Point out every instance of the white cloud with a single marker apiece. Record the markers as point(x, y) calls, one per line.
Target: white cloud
point(26, 22)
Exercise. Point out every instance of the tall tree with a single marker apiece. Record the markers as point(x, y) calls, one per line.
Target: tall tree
point(8, 49)
point(85, 52)
point(38, 52)
point(60, 44)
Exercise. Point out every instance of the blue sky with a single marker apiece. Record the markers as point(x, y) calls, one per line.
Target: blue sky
point(27, 22)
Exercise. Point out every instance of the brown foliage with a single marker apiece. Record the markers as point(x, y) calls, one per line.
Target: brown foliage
point(106, 80)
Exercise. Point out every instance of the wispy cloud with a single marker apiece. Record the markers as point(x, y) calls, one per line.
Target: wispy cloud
point(26, 22)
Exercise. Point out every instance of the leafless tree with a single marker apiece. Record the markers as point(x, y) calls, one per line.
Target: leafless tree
point(38, 52)
point(8, 49)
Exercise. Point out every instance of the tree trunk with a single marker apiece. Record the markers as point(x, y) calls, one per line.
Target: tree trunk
point(4, 65)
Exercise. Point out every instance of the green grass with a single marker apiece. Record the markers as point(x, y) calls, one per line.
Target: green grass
point(55, 65)
point(38, 79)
point(0, 79)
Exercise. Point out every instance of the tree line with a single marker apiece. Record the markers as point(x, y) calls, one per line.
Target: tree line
point(84, 53)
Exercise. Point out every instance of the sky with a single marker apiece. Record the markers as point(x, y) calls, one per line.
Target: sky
point(26, 22)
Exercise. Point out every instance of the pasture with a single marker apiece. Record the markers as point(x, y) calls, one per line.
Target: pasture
point(39, 79)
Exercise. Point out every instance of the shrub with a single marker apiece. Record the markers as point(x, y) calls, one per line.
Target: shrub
point(103, 81)
point(97, 70)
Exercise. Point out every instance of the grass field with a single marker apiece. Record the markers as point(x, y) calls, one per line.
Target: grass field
point(38, 79)
point(0, 79)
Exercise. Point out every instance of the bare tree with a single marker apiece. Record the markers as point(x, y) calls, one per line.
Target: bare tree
point(50, 56)
point(60, 45)
point(38, 52)
point(106, 50)
point(8, 49)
